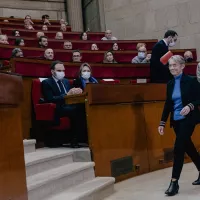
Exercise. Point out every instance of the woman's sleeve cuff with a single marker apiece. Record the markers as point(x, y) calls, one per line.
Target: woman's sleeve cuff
point(191, 106)
point(162, 123)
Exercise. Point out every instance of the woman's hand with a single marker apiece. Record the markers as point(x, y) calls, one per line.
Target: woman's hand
point(161, 130)
point(185, 111)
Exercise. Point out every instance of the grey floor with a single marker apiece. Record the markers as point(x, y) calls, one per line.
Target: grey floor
point(152, 186)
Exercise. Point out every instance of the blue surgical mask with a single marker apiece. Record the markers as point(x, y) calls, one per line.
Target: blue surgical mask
point(141, 55)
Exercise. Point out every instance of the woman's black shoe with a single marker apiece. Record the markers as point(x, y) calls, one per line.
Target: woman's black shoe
point(197, 182)
point(173, 188)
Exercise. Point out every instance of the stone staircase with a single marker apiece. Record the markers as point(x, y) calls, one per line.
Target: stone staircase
point(63, 174)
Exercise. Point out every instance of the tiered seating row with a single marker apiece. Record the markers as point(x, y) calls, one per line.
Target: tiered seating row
point(51, 34)
point(87, 56)
point(35, 68)
point(20, 20)
point(86, 45)
point(35, 26)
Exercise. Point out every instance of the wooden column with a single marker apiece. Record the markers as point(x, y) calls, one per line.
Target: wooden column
point(12, 166)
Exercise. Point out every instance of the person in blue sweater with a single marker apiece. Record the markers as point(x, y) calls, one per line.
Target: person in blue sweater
point(182, 101)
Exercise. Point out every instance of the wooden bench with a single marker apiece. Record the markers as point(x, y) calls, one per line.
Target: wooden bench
point(87, 56)
point(51, 34)
point(21, 20)
point(30, 69)
point(35, 26)
point(123, 135)
point(86, 45)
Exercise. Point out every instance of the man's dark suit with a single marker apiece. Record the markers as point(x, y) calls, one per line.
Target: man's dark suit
point(52, 94)
point(159, 72)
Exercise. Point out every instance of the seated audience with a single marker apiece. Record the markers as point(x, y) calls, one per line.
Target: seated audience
point(49, 54)
point(29, 27)
point(45, 19)
point(17, 53)
point(94, 47)
point(28, 20)
point(188, 56)
point(140, 45)
point(67, 45)
point(108, 36)
point(63, 27)
point(43, 42)
point(28, 23)
point(62, 21)
point(142, 56)
point(109, 57)
point(39, 34)
point(85, 76)
point(16, 33)
point(84, 36)
point(19, 42)
point(59, 36)
point(76, 56)
point(4, 39)
point(54, 91)
point(44, 28)
point(115, 47)
point(6, 21)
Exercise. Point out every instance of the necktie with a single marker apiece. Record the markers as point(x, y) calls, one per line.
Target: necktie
point(62, 90)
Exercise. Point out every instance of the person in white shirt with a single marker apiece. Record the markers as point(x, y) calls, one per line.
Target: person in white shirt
point(108, 36)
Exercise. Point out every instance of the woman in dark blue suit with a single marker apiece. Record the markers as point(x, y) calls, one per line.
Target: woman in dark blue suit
point(85, 76)
point(183, 99)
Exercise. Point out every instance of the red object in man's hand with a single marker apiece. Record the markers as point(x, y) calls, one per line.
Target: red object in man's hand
point(164, 59)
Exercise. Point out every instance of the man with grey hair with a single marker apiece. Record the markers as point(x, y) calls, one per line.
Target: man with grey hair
point(108, 36)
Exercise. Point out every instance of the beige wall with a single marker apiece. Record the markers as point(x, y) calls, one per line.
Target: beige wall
point(149, 19)
point(36, 8)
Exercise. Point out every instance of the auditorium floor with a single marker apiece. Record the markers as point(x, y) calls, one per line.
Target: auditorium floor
point(152, 186)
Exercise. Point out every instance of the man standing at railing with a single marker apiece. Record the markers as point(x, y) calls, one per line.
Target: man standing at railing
point(159, 72)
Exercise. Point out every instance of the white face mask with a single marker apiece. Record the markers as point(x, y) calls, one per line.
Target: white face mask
point(86, 75)
point(141, 55)
point(172, 44)
point(59, 75)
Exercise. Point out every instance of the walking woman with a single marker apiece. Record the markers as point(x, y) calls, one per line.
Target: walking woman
point(183, 98)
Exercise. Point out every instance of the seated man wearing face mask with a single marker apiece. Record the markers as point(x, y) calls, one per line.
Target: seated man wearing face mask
point(159, 72)
point(142, 56)
point(85, 76)
point(54, 90)
point(188, 56)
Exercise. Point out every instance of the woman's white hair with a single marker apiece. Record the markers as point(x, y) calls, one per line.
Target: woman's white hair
point(177, 59)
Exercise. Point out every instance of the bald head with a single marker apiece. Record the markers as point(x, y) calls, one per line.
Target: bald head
point(108, 34)
point(39, 34)
point(49, 54)
point(59, 36)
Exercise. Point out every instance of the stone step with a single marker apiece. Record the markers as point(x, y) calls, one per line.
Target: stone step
point(96, 189)
point(29, 146)
point(56, 180)
point(45, 159)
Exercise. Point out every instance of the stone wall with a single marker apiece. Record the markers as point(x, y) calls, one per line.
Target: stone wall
point(36, 8)
point(149, 19)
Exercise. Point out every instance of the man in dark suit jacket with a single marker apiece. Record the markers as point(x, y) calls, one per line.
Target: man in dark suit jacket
point(159, 72)
point(54, 90)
